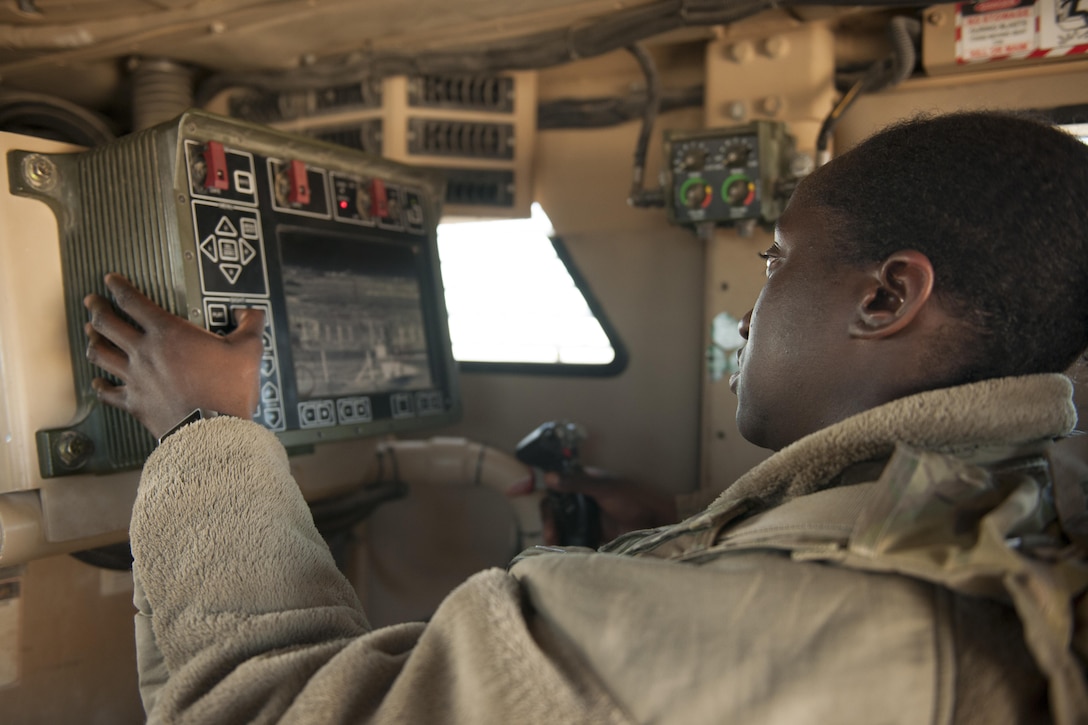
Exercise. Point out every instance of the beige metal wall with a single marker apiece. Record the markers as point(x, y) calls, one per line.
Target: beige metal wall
point(791, 66)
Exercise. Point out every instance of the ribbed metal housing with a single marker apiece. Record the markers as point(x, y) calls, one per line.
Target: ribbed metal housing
point(125, 220)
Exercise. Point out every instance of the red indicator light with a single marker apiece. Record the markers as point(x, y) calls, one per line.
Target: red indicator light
point(343, 203)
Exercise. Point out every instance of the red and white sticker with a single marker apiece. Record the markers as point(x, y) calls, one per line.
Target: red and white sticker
point(1010, 29)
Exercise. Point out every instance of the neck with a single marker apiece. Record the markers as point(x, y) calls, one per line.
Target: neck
point(960, 420)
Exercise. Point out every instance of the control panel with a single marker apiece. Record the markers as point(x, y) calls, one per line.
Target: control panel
point(336, 247)
point(726, 175)
point(225, 185)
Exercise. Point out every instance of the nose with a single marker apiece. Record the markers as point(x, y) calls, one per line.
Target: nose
point(742, 326)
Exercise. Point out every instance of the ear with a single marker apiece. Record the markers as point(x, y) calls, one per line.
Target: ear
point(896, 293)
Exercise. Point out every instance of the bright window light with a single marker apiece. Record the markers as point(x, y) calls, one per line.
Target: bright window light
point(511, 299)
point(1080, 130)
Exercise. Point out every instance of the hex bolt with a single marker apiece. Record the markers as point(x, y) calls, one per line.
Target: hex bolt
point(74, 449)
point(736, 110)
point(40, 172)
point(935, 18)
point(771, 105)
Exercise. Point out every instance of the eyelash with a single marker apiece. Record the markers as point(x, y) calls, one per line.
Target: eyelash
point(770, 256)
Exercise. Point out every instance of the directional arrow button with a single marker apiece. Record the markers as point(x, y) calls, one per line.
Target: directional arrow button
point(231, 271)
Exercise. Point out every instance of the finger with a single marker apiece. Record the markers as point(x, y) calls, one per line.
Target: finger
point(250, 323)
point(104, 354)
point(134, 303)
point(105, 321)
point(110, 394)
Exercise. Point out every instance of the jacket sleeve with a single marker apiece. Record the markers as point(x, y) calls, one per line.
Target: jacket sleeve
point(250, 620)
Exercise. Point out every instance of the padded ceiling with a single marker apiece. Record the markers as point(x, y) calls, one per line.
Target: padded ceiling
point(250, 34)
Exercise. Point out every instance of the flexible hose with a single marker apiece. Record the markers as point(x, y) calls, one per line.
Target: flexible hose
point(161, 90)
point(640, 197)
point(904, 30)
point(882, 74)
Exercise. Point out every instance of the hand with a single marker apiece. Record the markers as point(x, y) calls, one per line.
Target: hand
point(167, 366)
point(625, 506)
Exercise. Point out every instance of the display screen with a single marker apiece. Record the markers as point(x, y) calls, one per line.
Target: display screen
point(355, 315)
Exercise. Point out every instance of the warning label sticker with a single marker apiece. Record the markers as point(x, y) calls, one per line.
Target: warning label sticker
point(997, 33)
point(1001, 29)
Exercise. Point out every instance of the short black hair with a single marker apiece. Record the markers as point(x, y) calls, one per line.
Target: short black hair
point(999, 204)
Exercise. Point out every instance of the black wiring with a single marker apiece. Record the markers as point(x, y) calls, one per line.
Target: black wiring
point(639, 196)
point(884, 73)
point(610, 111)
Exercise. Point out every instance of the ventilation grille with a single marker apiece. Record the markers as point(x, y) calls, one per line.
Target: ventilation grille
point(366, 136)
point(469, 93)
point(262, 107)
point(472, 187)
point(126, 222)
point(467, 139)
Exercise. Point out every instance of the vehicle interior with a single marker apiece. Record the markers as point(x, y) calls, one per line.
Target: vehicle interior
point(493, 238)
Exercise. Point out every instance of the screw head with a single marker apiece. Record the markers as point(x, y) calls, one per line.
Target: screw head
point(74, 449)
point(40, 172)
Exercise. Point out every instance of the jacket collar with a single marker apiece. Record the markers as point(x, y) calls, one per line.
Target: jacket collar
point(969, 421)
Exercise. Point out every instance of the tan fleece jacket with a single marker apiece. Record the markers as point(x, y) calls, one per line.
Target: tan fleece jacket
point(241, 600)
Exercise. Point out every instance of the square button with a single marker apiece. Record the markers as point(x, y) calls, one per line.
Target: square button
point(243, 182)
point(249, 227)
point(218, 314)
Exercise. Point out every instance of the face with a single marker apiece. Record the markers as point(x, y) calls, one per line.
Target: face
point(798, 366)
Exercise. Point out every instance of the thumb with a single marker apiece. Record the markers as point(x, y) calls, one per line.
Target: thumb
point(250, 323)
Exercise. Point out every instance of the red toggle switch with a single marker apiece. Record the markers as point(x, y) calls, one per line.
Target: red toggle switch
point(300, 183)
point(379, 201)
point(215, 163)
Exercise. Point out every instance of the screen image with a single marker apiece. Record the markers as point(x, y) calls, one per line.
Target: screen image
point(355, 315)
